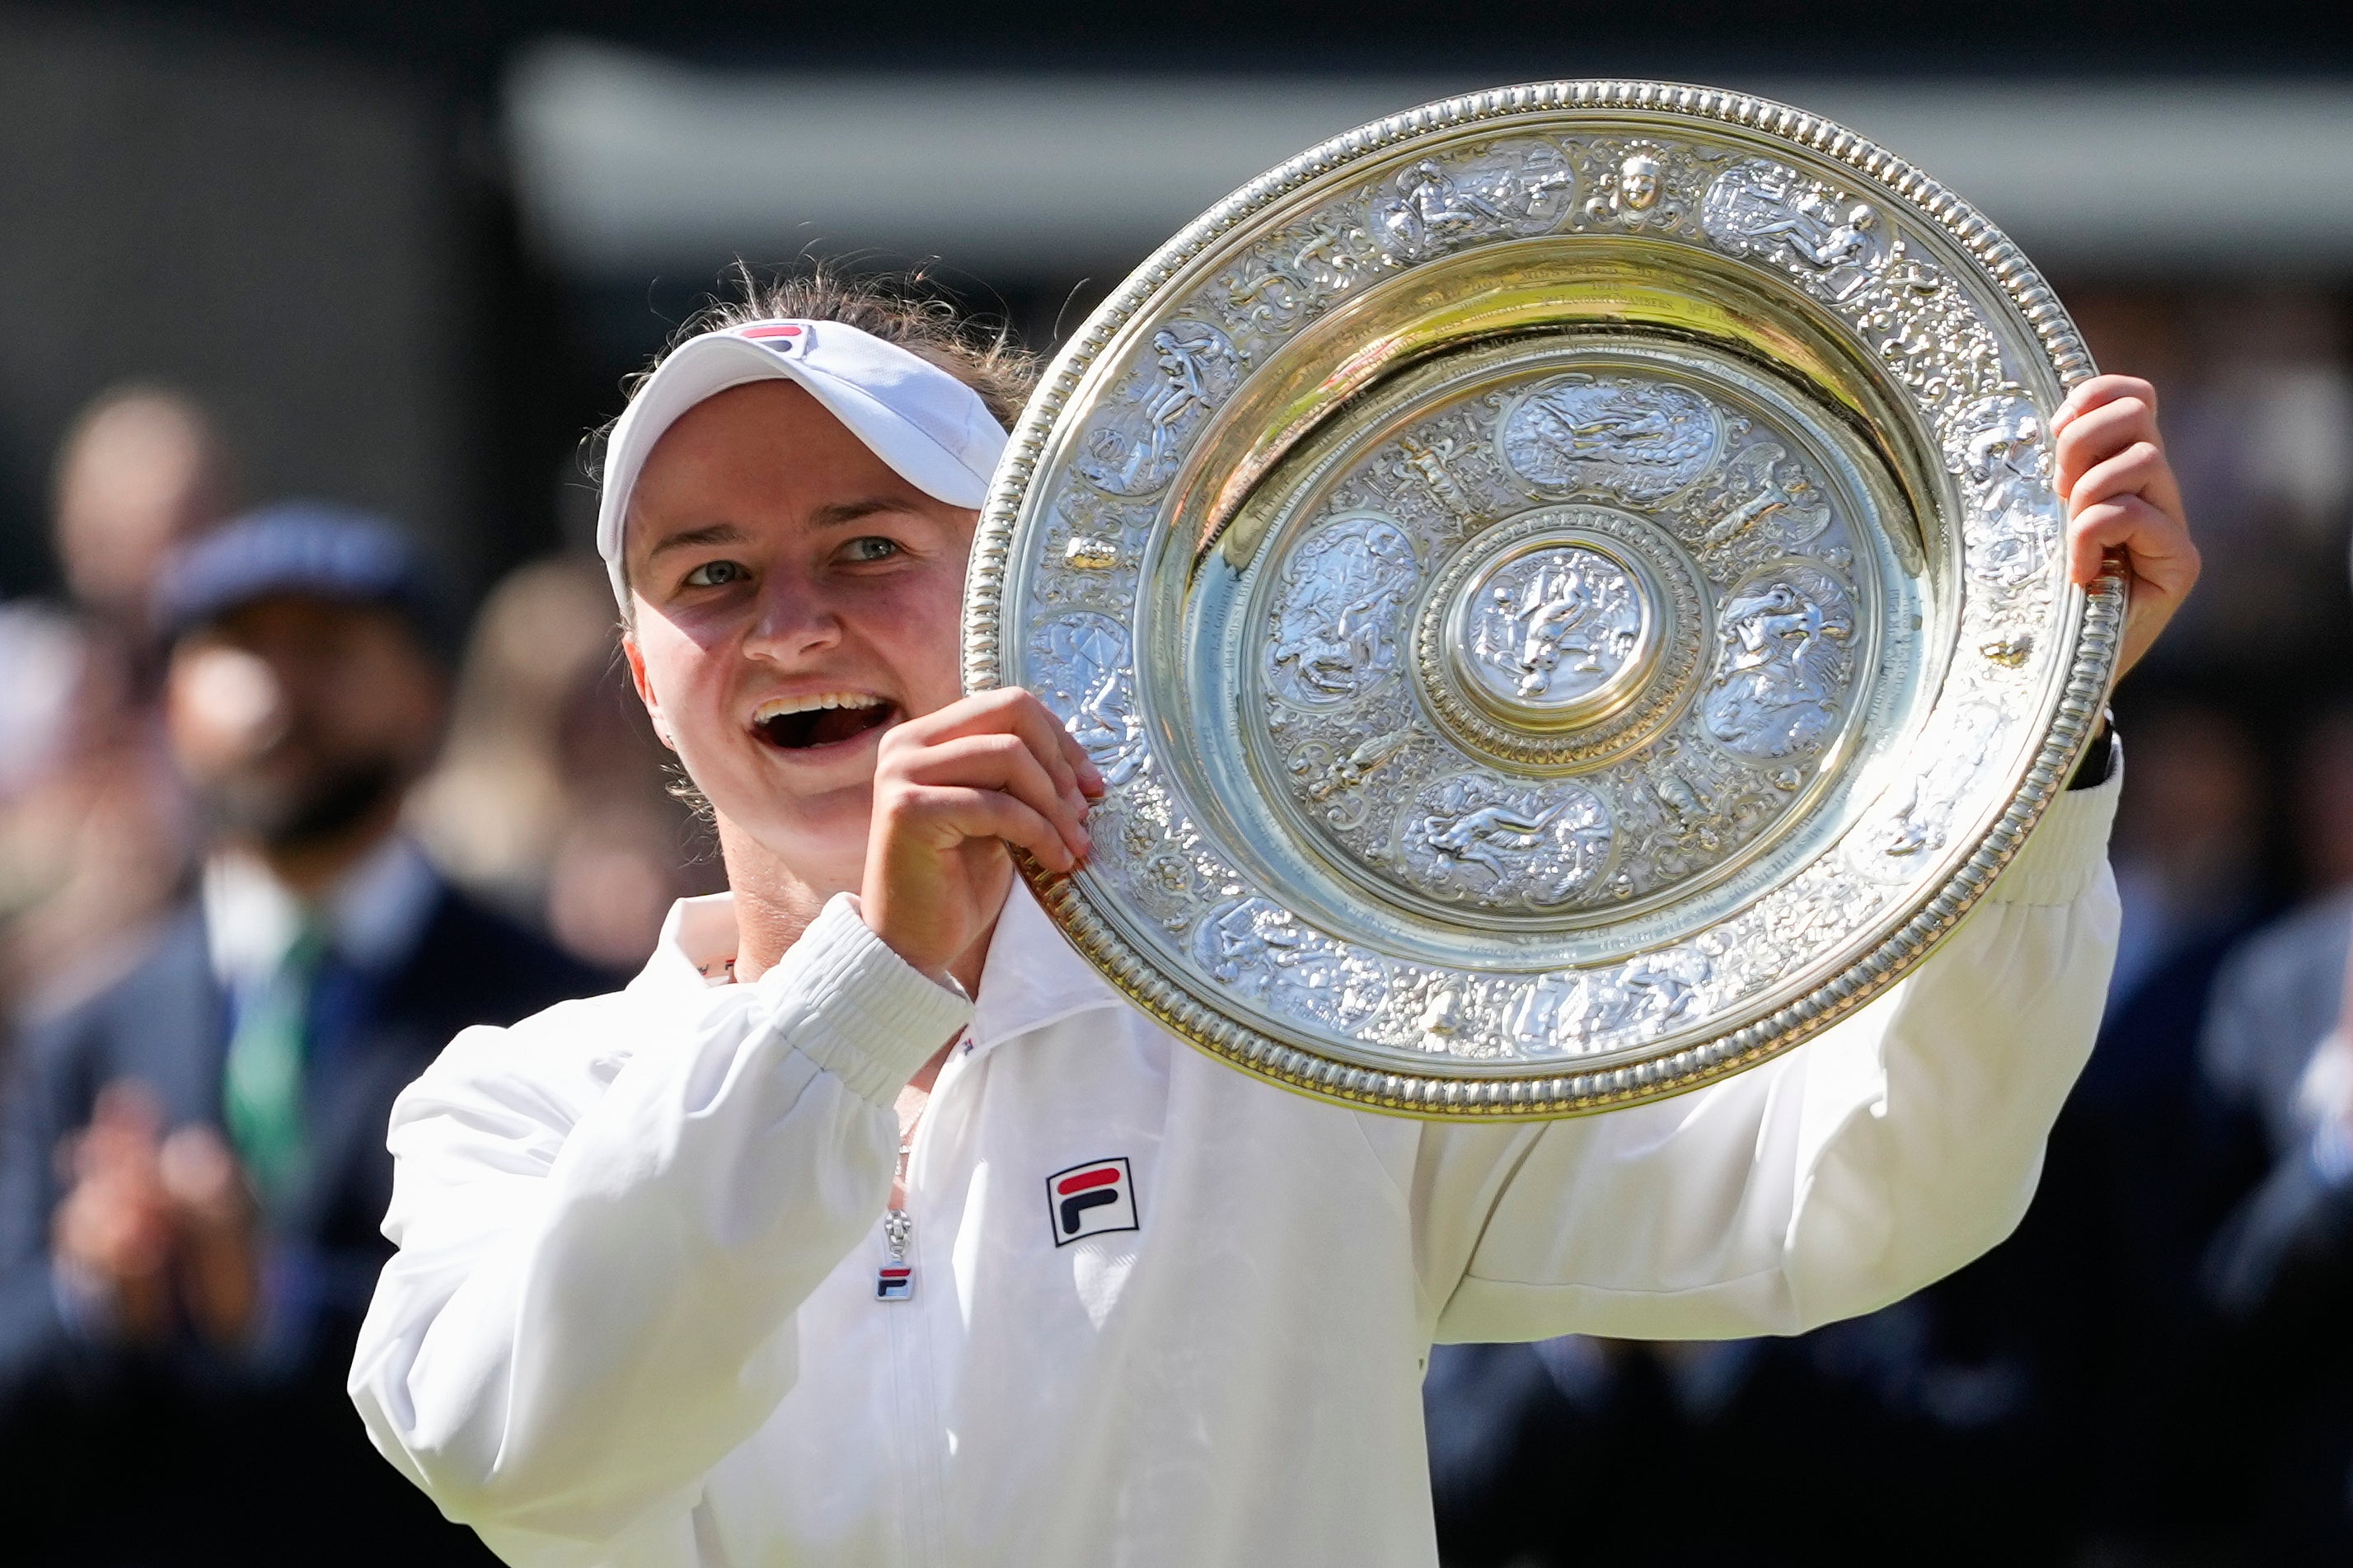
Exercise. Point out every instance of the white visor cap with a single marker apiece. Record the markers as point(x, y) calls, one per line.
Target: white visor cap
point(934, 431)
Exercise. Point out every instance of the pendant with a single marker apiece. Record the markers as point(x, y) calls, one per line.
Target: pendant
point(896, 1280)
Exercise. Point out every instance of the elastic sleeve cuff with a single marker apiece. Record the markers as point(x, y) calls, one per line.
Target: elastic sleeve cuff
point(857, 1008)
point(2062, 860)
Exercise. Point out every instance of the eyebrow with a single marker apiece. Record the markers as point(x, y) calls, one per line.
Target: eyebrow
point(693, 538)
point(842, 513)
point(838, 514)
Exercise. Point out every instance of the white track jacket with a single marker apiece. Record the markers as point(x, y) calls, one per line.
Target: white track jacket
point(634, 1316)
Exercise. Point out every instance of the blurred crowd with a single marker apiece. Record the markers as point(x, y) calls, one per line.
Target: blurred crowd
point(272, 833)
point(272, 830)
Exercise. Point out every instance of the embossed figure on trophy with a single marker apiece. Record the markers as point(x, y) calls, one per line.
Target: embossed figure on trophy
point(1334, 629)
point(1185, 387)
point(1927, 805)
point(1660, 990)
point(1632, 193)
point(1085, 665)
point(1347, 776)
point(1824, 240)
point(1778, 488)
point(1558, 624)
point(2000, 448)
point(1518, 192)
point(1531, 187)
point(1430, 209)
point(1532, 849)
point(1138, 449)
point(1544, 1014)
point(1685, 810)
point(1443, 1020)
point(1545, 620)
point(1637, 439)
point(1107, 729)
point(1336, 782)
point(1477, 838)
point(1426, 462)
point(1259, 949)
point(1778, 691)
point(1242, 945)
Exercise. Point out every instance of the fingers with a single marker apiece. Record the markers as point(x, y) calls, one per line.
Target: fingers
point(1091, 779)
point(2104, 434)
point(1011, 710)
point(2152, 548)
point(2098, 392)
point(964, 812)
point(2157, 546)
point(2130, 472)
point(1009, 764)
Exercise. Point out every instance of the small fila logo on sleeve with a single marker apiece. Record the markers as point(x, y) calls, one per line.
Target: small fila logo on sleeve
point(1090, 1199)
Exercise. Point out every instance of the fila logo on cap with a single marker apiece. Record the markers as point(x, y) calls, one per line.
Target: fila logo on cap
point(1090, 1199)
point(784, 337)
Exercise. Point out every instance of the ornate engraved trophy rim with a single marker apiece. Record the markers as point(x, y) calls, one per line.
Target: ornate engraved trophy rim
point(1457, 1090)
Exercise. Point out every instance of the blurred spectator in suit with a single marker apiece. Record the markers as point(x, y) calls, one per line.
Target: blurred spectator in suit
point(191, 1163)
point(550, 799)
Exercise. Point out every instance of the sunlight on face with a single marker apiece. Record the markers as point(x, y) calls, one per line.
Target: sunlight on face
point(792, 599)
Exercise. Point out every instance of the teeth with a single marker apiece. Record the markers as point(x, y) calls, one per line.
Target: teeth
point(778, 707)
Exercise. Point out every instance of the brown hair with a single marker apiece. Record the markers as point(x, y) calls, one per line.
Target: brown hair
point(903, 308)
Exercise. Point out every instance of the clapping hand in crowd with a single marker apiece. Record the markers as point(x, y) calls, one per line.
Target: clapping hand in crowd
point(156, 1230)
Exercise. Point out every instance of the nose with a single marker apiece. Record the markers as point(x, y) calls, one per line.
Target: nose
point(795, 620)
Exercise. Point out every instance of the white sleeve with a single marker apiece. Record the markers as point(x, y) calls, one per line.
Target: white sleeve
point(606, 1220)
point(1877, 1157)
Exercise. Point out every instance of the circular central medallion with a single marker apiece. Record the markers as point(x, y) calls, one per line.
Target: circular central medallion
point(1561, 637)
point(1553, 633)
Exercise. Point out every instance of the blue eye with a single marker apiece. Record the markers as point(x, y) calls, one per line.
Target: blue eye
point(715, 574)
point(871, 547)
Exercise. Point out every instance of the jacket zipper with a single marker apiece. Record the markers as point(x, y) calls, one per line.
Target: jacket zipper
point(895, 1280)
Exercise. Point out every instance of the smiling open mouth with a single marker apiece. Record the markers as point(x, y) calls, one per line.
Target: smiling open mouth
point(804, 723)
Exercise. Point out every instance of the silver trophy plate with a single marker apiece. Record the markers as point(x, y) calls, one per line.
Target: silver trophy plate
point(1566, 588)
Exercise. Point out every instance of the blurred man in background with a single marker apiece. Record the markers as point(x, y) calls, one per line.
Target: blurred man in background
point(192, 1166)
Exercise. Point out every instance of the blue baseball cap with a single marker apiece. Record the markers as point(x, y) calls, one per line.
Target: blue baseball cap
point(311, 550)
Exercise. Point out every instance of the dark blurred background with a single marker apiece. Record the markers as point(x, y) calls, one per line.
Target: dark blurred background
point(402, 258)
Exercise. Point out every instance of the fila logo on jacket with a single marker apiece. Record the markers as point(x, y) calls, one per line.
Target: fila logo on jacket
point(1091, 1199)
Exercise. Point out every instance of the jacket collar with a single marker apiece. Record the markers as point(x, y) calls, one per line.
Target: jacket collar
point(1034, 977)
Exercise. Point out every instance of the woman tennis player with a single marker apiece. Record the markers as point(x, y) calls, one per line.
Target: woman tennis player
point(868, 1225)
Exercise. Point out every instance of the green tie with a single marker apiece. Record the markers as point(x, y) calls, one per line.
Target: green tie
point(262, 1095)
